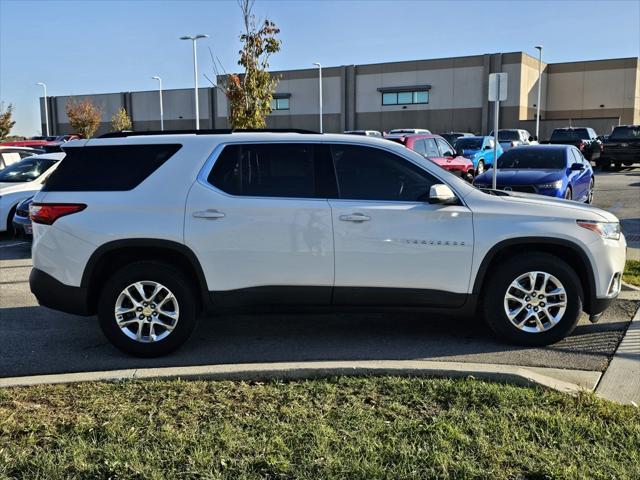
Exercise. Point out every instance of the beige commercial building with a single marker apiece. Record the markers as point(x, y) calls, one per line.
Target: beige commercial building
point(447, 94)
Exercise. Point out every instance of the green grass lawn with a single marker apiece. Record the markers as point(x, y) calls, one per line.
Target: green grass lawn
point(342, 428)
point(632, 272)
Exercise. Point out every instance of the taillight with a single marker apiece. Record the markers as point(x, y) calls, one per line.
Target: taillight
point(47, 213)
point(581, 146)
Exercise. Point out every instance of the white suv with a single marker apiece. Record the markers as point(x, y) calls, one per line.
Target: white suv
point(149, 230)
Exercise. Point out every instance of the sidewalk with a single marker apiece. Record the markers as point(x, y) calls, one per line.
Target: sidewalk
point(621, 381)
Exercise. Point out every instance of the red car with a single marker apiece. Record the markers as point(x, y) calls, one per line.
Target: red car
point(438, 150)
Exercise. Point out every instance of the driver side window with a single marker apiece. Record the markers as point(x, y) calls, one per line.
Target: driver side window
point(366, 173)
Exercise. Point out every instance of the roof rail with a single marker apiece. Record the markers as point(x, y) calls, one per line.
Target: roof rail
point(218, 131)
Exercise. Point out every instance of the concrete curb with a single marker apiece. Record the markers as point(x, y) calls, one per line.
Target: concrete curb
point(567, 381)
point(621, 382)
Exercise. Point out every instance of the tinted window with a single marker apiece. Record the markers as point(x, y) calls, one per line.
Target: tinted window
point(508, 135)
point(562, 135)
point(541, 158)
point(372, 174)
point(419, 146)
point(432, 149)
point(445, 148)
point(108, 168)
point(625, 133)
point(26, 170)
point(469, 143)
point(577, 156)
point(294, 170)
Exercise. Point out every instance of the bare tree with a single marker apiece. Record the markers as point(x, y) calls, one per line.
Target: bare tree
point(250, 93)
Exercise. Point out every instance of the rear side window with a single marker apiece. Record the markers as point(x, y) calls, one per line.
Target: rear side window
point(293, 170)
point(108, 168)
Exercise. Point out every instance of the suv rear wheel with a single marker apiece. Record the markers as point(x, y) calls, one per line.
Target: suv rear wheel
point(147, 309)
point(533, 299)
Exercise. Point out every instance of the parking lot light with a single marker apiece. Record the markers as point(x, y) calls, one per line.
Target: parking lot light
point(320, 90)
point(194, 39)
point(156, 77)
point(46, 108)
point(539, 48)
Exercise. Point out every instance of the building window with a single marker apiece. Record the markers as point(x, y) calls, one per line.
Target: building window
point(280, 103)
point(405, 97)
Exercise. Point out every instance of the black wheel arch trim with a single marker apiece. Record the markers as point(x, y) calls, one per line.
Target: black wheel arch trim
point(177, 247)
point(590, 297)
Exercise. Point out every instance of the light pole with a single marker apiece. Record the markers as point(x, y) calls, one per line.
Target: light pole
point(156, 77)
point(193, 39)
point(46, 108)
point(539, 48)
point(320, 90)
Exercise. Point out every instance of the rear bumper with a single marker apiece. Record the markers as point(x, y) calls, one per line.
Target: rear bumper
point(55, 294)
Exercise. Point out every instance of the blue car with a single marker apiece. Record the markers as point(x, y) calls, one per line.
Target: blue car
point(479, 150)
point(553, 170)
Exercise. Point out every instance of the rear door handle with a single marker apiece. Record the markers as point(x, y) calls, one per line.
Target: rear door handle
point(210, 214)
point(355, 217)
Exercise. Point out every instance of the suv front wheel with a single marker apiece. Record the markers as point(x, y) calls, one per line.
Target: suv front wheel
point(147, 309)
point(533, 299)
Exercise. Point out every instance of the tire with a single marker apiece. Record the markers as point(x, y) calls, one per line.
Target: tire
point(590, 194)
point(185, 309)
point(618, 165)
point(468, 176)
point(530, 334)
point(481, 168)
point(568, 194)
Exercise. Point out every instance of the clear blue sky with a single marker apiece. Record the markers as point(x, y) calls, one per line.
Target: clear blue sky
point(85, 46)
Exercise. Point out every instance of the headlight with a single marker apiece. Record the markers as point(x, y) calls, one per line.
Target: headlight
point(554, 185)
point(610, 230)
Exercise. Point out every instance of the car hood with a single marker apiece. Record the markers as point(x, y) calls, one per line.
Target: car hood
point(580, 210)
point(469, 152)
point(523, 176)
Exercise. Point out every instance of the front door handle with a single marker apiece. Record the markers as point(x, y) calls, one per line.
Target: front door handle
point(355, 217)
point(209, 214)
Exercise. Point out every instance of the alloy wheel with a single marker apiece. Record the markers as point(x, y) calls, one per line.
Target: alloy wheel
point(146, 311)
point(535, 302)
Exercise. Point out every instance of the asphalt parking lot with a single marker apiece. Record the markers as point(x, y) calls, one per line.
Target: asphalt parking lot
point(36, 340)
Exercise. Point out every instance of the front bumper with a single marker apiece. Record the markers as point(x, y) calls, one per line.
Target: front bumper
point(56, 295)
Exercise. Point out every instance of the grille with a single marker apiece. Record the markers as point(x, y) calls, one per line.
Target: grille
point(518, 188)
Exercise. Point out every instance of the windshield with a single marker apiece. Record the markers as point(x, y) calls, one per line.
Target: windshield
point(625, 133)
point(570, 134)
point(538, 158)
point(508, 135)
point(468, 143)
point(26, 170)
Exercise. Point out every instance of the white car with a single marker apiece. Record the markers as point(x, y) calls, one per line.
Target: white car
point(513, 137)
point(157, 228)
point(408, 131)
point(10, 154)
point(21, 180)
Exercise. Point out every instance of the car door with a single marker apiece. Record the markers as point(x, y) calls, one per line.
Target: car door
point(259, 221)
point(581, 178)
point(391, 245)
point(487, 150)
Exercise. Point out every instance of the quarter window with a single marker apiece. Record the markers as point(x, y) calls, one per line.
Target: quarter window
point(366, 173)
point(405, 98)
point(294, 170)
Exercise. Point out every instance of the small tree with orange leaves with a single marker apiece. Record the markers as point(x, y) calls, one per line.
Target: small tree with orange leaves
point(84, 117)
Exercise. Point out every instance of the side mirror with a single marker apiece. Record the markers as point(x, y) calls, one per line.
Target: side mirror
point(577, 166)
point(449, 154)
point(442, 194)
point(459, 152)
point(488, 147)
point(531, 138)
